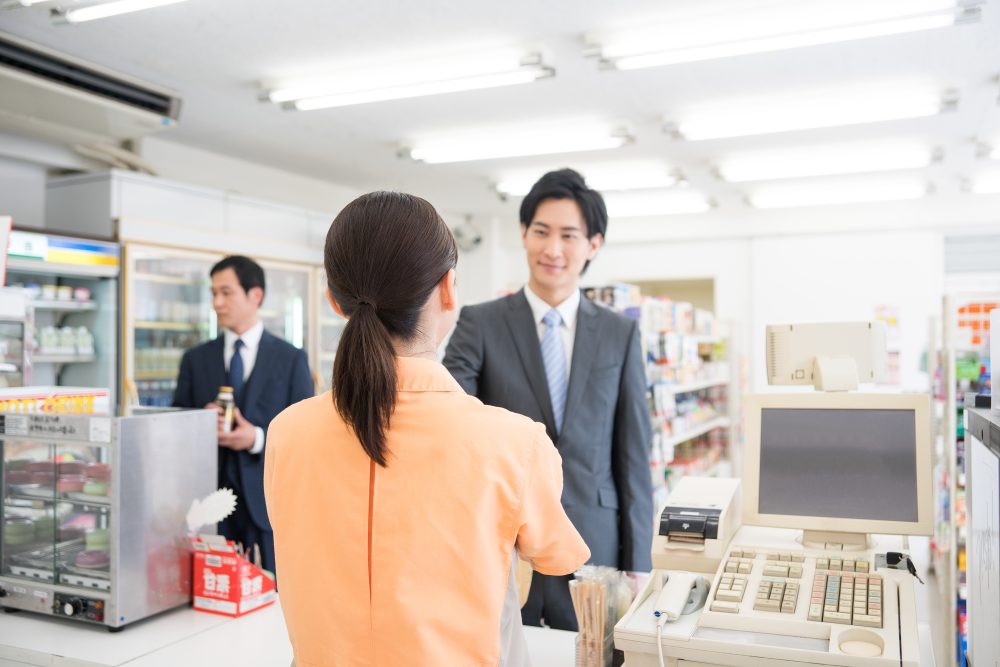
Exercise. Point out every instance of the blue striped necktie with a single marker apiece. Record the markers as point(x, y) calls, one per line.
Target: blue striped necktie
point(236, 368)
point(554, 358)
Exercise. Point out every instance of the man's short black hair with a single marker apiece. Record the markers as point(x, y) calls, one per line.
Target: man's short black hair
point(567, 184)
point(248, 272)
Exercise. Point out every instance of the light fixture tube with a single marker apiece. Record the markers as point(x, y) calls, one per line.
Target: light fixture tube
point(417, 90)
point(492, 145)
point(987, 183)
point(413, 79)
point(824, 193)
point(809, 110)
point(655, 202)
point(824, 161)
point(788, 26)
point(107, 9)
point(609, 180)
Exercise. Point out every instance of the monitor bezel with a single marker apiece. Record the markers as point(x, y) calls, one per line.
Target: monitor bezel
point(918, 403)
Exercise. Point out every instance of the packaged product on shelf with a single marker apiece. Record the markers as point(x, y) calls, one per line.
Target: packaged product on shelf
point(84, 341)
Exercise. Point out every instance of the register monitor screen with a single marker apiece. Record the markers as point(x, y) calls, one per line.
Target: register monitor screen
point(838, 462)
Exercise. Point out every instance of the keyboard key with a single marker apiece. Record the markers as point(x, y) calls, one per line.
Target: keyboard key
point(732, 566)
point(836, 564)
point(749, 553)
point(815, 612)
point(728, 607)
point(848, 565)
point(775, 571)
point(861, 566)
point(744, 568)
point(795, 571)
point(767, 605)
point(830, 617)
point(773, 556)
point(731, 596)
point(868, 621)
point(822, 564)
point(785, 557)
point(798, 558)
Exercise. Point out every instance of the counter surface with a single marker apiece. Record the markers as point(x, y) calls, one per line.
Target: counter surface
point(188, 637)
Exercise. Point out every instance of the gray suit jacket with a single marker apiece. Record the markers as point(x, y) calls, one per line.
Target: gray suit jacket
point(496, 356)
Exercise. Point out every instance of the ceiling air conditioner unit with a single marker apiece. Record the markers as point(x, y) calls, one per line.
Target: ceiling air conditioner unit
point(50, 95)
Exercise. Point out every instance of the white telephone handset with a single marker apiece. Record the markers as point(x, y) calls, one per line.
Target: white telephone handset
point(681, 593)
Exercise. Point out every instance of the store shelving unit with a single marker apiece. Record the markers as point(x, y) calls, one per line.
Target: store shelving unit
point(692, 389)
point(46, 264)
point(964, 353)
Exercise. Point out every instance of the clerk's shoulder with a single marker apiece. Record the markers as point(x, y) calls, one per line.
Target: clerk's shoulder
point(303, 415)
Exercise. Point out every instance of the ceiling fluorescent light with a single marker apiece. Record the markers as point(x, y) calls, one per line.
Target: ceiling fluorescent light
point(987, 183)
point(652, 203)
point(786, 26)
point(417, 79)
point(489, 145)
point(107, 9)
point(604, 179)
point(810, 110)
point(824, 161)
point(788, 195)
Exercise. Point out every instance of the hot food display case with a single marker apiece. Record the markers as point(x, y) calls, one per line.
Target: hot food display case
point(94, 511)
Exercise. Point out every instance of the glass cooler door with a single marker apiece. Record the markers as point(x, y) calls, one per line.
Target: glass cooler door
point(331, 326)
point(285, 311)
point(168, 309)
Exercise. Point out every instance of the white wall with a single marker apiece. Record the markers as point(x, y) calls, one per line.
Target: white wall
point(845, 277)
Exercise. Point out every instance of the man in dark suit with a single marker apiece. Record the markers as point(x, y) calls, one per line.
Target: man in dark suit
point(576, 367)
point(266, 374)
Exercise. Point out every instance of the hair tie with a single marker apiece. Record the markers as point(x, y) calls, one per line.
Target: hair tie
point(365, 302)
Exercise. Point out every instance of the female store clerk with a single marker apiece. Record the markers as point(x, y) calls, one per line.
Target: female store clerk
point(397, 500)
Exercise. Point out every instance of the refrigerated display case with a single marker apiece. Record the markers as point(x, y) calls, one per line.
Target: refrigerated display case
point(168, 309)
point(88, 533)
point(72, 288)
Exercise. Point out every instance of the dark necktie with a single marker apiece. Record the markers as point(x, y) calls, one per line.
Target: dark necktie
point(236, 368)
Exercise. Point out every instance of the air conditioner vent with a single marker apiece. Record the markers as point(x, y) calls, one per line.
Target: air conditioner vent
point(59, 70)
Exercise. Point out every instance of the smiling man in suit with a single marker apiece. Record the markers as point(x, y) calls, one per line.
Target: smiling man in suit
point(576, 367)
point(266, 374)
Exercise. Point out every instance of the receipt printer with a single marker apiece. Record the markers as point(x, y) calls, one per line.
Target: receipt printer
point(701, 515)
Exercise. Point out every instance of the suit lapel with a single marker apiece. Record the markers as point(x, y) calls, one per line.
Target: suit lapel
point(217, 365)
point(524, 331)
point(261, 372)
point(584, 352)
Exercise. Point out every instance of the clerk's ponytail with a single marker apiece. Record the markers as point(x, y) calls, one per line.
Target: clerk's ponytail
point(384, 255)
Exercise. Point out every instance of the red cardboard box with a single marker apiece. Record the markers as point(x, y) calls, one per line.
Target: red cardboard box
point(225, 582)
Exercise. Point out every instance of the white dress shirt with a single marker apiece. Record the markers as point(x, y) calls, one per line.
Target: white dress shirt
point(251, 343)
point(568, 309)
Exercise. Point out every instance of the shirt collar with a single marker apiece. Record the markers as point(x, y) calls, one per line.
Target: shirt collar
point(416, 374)
point(568, 308)
point(251, 337)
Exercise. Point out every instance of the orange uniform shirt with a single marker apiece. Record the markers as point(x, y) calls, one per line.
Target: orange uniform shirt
point(409, 564)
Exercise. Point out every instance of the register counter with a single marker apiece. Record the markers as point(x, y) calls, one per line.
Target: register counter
point(188, 637)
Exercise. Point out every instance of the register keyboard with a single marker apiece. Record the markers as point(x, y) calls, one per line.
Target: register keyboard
point(798, 593)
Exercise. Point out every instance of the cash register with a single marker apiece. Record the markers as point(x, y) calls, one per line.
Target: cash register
point(831, 484)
